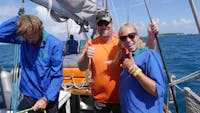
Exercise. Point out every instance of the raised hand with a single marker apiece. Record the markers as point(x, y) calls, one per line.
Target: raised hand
point(152, 32)
point(129, 63)
point(40, 105)
point(90, 51)
point(153, 28)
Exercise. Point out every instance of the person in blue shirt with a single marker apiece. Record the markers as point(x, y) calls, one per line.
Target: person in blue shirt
point(41, 61)
point(142, 81)
point(71, 46)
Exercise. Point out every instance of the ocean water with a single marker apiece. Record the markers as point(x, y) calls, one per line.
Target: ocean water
point(182, 57)
point(181, 53)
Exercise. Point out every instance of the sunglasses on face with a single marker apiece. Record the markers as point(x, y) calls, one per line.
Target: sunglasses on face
point(130, 35)
point(103, 22)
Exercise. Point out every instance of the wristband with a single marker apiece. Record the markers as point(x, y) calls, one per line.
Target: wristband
point(136, 72)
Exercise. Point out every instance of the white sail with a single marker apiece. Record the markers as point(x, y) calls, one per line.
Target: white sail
point(83, 12)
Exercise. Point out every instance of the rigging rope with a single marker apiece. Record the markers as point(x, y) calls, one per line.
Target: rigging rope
point(15, 81)
point(128, 11)
point(50, 2)
point(115, 14)
point(163, 60)
point(21, 10)
point(16, 70)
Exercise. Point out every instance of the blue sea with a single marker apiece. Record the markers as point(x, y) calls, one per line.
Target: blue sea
point(181, 54)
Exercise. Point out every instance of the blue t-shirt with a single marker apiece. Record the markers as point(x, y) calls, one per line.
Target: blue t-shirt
point(41, 66)
point(73, 45)
point(133, 97)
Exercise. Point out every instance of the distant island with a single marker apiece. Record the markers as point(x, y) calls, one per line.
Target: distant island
point(170, 34)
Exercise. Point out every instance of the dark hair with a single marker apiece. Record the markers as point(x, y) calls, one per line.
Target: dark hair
point(71, 37)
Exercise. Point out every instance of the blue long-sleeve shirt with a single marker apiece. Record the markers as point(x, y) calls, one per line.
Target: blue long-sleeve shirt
point(41, 66)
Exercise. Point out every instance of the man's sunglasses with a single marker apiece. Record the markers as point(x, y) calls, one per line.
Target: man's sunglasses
point(103, 22)
point(130, 35)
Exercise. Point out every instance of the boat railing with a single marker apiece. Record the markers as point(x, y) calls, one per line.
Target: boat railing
point(192, 100)
point(195, 75)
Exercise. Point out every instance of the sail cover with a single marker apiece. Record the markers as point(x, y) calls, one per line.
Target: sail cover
point(83, 12)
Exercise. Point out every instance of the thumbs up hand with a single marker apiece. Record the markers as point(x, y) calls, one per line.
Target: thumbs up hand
point(129, 64)
point(90, 51)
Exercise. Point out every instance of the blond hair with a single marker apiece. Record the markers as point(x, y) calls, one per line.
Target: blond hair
point(121, 48)
point(127, 25)
point(29, 24)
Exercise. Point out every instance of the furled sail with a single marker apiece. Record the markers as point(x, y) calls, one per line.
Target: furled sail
point(81, 11)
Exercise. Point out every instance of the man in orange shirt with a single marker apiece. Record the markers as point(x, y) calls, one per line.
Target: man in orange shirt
point(98, 55)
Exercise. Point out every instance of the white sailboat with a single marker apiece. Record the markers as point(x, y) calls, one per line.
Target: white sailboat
point(83, 13)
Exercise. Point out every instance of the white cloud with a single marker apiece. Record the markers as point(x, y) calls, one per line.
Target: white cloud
point(141, 27)
point(184, 25)
point(164, 24)
point(58, 29)
point(182, 21)
point(8, 10)
point(181, 25)
point(157, 20)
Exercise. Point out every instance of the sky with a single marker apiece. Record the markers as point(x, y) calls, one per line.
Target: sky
point(171, 16)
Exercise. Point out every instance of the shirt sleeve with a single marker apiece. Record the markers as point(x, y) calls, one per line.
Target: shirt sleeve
point(8, 31)
point(56, 72)
point(156, 72)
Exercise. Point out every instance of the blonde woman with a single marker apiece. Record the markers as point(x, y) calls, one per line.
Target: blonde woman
point(142, 82)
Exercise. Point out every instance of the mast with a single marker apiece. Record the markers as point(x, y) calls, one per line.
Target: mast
point(128, 11)
point(195, 14)
point(107, 5)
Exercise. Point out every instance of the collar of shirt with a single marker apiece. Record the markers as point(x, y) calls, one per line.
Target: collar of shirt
point(140, 50)
point(44, 38)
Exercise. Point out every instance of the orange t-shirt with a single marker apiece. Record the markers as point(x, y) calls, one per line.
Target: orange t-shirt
point(105, 75)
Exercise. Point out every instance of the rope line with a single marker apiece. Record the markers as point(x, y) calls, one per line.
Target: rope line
point(163, 60)
point(25, 110)
point(29, 109)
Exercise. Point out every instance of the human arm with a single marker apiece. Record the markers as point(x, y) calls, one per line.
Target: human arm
point(41, 104)
point(151, 38)
point(85, 60)
point(147, 83)
point(150, 78)
point(8, 31)
point(51, 77)
point(56, 71)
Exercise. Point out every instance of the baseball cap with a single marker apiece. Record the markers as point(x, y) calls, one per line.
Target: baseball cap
point(103, 15)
